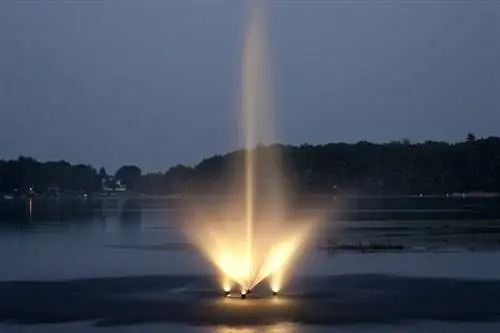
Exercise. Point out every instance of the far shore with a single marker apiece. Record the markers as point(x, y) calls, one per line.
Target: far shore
point(180, 196)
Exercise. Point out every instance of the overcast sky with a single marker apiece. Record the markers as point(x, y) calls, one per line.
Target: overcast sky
point(156, 83)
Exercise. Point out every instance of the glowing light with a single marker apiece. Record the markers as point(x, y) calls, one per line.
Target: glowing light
point(248, 235)
point(226, 285)
point(275, 285)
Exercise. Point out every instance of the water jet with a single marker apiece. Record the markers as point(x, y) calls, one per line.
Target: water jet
point(248, 235)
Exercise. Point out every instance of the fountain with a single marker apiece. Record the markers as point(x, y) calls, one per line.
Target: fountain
point(250, 234)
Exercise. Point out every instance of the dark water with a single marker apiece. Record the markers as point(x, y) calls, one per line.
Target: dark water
point(418, 208)
point(124, 266)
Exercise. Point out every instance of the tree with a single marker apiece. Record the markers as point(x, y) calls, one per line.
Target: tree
point(391, 168)
point(85, 178)
point(178, 179)
point(130, 175)
point(102, 173)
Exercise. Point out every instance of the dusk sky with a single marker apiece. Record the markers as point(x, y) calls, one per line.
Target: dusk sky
point(156, 83)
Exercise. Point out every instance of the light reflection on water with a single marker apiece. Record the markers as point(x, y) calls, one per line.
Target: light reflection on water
point(276, 328)
point(87, 239)
point(263, 303)
point(418, 327)
point(59, 243)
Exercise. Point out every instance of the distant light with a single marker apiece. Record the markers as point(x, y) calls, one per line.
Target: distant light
point(275, 293)
point(226, 293)
point(243, 294)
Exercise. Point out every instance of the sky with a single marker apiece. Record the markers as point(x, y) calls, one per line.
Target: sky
point(156, 83)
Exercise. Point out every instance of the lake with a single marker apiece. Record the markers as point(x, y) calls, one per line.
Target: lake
point(118, 265)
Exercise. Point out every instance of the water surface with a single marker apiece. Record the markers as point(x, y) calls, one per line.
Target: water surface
point(65, 245)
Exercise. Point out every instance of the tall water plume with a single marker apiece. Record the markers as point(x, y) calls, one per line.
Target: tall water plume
point(250, 235)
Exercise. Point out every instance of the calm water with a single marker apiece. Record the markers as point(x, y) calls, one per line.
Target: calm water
point(420, 327)
point(55, 241)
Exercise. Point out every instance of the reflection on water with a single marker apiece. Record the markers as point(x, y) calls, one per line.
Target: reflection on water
point(55, 239)
point(350, 209)
point(92, 238)
point(30, 209)
point(276, 328)
point(420, 327)
point(410, 327)
point(49, 214)
point(85, 238)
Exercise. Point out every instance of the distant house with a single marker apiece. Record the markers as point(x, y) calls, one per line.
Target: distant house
point(111, 184)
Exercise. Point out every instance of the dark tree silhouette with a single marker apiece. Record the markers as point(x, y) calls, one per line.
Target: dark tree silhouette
point(399, 167)
point(130, 175)
point(24, 173)
point(471, 137)
point(102, 173)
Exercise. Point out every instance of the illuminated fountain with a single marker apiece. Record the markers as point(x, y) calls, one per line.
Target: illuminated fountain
point(250, 235)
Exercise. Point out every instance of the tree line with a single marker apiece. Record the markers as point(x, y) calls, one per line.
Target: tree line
point(399, 167)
